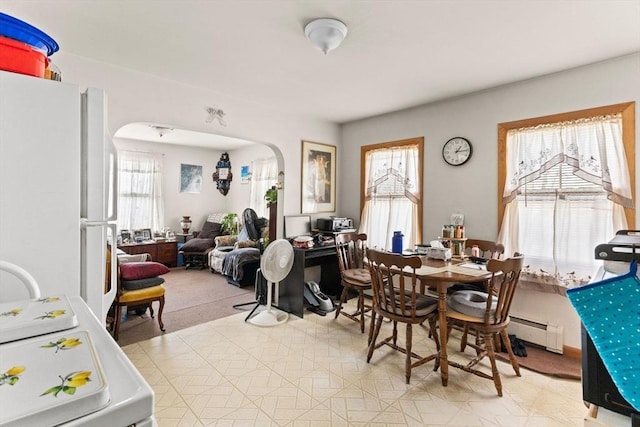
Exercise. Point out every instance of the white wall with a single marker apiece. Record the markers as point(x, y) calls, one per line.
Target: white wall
point(209, 200)
point(139, 97)
point(472, 188)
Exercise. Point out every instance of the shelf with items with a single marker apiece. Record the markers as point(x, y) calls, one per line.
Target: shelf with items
point(457, 245)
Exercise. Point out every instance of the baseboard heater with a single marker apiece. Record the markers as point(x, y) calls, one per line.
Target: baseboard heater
point(543, 334)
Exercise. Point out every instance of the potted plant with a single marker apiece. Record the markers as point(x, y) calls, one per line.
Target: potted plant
point(229, 223)
point(271, 196)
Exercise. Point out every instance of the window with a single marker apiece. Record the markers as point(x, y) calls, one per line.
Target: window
point(565, 186)
point(264, 175)
point(140, 202)
point(391, 194)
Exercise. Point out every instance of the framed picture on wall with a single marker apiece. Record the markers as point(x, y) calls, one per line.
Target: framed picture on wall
point(190, 178)
point(318, 177)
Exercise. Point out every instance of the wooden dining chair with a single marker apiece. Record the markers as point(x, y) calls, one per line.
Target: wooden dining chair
point(488, 314)
point(350, 248)
point(488, 248)
point(397, 297)
point(142, 297)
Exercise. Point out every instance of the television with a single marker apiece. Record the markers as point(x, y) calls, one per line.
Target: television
point(297, 225)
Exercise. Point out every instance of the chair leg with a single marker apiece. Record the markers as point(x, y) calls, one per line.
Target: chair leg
point(434, 333)
point(407, 366)
point(343, 298)
point(463, 339)
point(361, 308)
point(372, 343)
point(151, 310)
point(116, 321)
point(372, 326)
point(160, 313)
point(507, 344)
point(488, 339)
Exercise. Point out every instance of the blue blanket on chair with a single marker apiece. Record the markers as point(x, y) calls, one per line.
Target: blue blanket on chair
point(233, 263)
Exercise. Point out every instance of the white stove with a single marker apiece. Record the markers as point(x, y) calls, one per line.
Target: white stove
point(77, 376)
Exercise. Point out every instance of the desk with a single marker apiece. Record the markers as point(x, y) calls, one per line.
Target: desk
point(443, 274)
point(291, 292)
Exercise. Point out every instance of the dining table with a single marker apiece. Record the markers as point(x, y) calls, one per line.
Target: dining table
point(440, 275)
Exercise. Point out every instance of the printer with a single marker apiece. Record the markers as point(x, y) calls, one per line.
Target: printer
point(334, 224)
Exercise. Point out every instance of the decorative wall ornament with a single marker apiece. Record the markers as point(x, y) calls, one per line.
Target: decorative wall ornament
point(223, 176)
point(215, 113)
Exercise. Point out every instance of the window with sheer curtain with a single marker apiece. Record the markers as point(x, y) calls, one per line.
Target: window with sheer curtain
point(392, 192)
point(264, 175)
point(566, 186)
point(140, 200)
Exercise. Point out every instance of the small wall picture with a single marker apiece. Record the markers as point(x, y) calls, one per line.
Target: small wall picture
point(190, 178)
point(244, 174)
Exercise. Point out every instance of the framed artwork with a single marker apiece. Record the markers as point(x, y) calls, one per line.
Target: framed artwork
point(146, 234)
point(190, 178)
point(318, 177)
point(244, 174)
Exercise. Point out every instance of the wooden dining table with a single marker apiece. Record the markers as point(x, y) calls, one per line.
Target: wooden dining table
point(440, 275)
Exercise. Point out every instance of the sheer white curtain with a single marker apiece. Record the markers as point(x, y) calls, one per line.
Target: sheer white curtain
point(264, 174)
point(140, 199)
point(566, 188)
point(391, 196)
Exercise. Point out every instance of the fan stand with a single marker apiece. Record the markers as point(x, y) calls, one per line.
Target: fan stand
point(270, 316)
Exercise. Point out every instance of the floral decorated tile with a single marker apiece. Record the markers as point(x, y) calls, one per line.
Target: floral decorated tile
point(29, 318)
point(50, 380)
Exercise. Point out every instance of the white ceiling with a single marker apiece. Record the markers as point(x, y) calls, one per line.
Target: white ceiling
point(397, 54)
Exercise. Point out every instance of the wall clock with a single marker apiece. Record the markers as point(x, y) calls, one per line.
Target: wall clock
point(223, 176)
point(457, 151)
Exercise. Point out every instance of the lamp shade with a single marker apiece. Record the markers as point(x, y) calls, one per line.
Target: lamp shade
point(325, 33)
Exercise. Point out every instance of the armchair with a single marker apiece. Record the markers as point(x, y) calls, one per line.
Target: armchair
point(237, 256)
point(196, 250)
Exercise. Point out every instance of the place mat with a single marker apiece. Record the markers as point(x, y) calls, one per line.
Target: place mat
point(426, 270)
point(468, 269)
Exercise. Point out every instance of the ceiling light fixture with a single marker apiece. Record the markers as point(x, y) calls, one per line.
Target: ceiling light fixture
point(325, 33)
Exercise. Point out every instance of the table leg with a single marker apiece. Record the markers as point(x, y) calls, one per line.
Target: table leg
point(442, 312)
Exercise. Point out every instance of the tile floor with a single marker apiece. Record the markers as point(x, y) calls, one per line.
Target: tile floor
point(313, 372)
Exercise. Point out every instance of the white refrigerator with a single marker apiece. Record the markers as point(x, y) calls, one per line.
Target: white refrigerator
point(57, 214)
point(58, 184)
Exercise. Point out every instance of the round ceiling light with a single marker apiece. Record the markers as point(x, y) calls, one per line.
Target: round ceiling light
point(325, 33)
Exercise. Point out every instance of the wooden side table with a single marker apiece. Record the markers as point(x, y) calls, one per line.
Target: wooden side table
point(163, 252)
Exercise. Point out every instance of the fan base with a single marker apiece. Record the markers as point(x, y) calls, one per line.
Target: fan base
point(271, 317)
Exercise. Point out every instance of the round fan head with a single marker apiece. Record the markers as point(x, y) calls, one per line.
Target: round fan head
point(277, 260)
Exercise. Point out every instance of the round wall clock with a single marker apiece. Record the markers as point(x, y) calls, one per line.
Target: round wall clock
point(457, 151)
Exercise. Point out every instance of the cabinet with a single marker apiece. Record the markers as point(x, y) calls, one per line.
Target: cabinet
point(163, 252)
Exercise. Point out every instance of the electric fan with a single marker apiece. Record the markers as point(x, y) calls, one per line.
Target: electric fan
point(275, 264)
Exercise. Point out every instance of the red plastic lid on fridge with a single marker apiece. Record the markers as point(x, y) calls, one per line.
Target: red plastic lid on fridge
point(21, 58)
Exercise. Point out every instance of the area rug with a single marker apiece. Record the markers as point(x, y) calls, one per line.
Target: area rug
point(546, 362)
point(192, 297)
